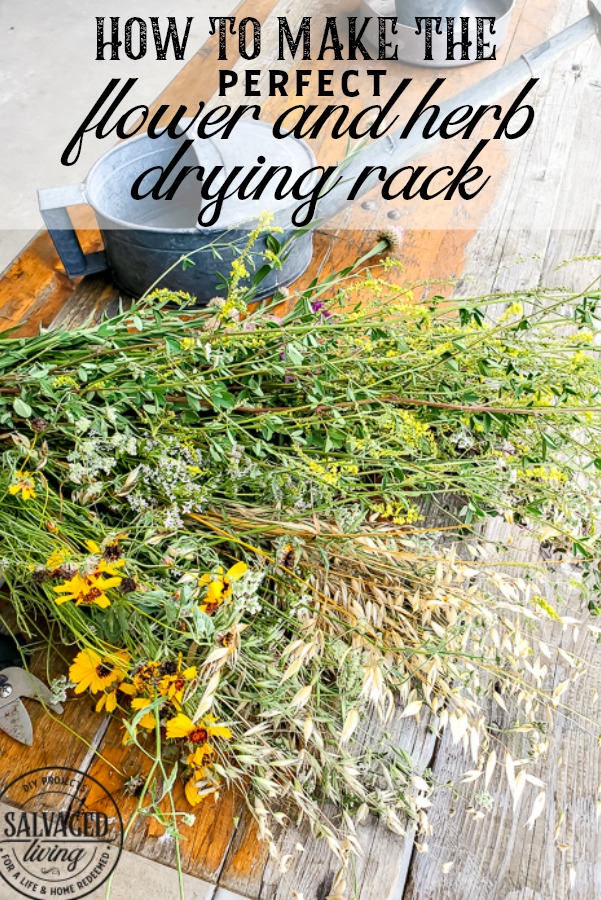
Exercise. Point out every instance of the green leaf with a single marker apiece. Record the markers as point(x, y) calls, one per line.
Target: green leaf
point(294, 354)
point(193, 402)
point(273, 244)
point(21, 408)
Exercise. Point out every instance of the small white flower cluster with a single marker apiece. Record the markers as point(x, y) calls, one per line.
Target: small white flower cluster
point(59, 688)
point(170, 479)
point(173, 520)
point(462, 439)
point(96, 454)
point(298, 604)
point(349, 518)
point(246, 592)
point(87, 461)
point(124, 444)
point(167, 478)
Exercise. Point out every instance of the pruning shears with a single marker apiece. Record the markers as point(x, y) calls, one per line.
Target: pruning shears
point(15, 683)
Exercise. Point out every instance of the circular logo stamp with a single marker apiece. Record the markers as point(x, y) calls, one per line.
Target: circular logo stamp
point(61, 833)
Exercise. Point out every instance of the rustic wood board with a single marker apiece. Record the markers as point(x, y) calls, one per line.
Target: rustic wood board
point(497, 856)
point(503, 861)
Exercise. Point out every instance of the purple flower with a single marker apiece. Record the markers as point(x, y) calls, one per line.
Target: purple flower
point(318, 306)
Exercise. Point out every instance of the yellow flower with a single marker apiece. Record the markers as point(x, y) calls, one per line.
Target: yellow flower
point(23, 484)
point(200, 772)
point(197, 732)
point(90, 670)
point(57, 558)
point(219, 587)
point(198, 758)
point(88, 589)
point(110, 568)
point(93, 547)
point(193, 793)
point(145, 679)
point(148, 720)
point(110, 550)
point(174, 679)
point(239, 270)
point(108, 701)
point(167, 679)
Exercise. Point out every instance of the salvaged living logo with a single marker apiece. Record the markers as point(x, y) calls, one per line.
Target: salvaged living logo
point(65, 837)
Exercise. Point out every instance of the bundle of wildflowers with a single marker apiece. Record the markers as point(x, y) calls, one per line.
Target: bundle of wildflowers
point(250, 532)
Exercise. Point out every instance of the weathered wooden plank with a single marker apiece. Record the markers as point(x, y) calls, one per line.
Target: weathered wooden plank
point(497, 856)
point(509, 249)
point(529, 232)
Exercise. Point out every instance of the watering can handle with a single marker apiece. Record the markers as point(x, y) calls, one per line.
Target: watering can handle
point(53, 207)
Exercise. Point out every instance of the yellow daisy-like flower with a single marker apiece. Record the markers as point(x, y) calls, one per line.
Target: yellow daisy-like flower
point(174, 679)
point(110, 550)
point(108, 701)
point(193, 792)
point(23, 484)
point(219, 586)
point(145, 678)
point(57, 558)
point(93, 547)
point(91, 671)
point(149, 720)
point(197, 732)
point(110, 568)
point(200, 772)
point(198, 758)
point(88, 589)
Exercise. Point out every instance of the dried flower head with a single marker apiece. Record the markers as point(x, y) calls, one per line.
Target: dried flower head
point(393, 237)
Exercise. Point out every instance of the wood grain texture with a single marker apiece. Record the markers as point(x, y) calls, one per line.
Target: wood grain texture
point(498, 856)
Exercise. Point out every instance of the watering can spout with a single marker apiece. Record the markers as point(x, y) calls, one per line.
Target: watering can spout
point(595, 14)
point(550, 50)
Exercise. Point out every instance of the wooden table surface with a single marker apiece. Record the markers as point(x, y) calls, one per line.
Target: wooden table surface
point(504, 245)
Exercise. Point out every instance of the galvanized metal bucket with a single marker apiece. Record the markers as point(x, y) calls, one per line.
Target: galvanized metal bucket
point(144, 239)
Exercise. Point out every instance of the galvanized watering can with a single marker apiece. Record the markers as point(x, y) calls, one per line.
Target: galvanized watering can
point(145, 238)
